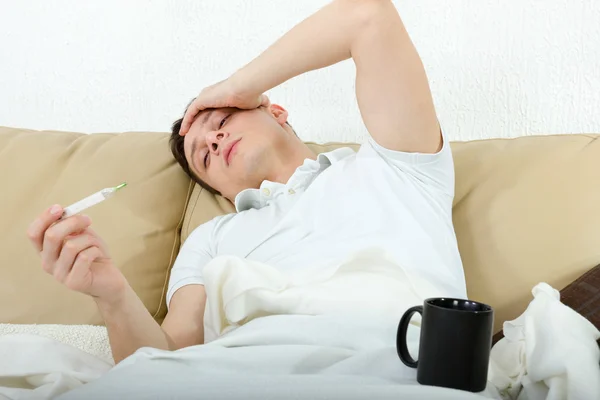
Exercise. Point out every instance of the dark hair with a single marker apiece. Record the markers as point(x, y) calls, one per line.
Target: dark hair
point(176, 142)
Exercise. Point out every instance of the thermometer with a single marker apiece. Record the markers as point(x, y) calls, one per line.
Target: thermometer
point(91, 200)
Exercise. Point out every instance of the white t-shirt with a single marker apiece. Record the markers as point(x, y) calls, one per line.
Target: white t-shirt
point(333, 206)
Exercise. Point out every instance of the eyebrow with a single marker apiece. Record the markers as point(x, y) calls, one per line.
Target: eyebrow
point(194, 146)
point(207, 116)
point(204, 118)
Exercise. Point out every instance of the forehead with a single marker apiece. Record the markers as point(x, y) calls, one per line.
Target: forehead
point(203, 117)
point(199, 120)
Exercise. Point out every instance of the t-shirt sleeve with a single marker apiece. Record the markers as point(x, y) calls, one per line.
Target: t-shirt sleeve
point(432, 170)
point(195, 253)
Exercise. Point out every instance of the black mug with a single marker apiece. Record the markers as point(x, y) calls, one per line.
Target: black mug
point(455, 343)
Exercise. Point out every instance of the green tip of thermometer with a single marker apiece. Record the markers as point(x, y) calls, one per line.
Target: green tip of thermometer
point(91, 200)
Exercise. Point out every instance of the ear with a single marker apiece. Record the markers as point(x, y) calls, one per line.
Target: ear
point(279, 113)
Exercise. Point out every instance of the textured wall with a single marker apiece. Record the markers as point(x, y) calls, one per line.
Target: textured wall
point(497, 68)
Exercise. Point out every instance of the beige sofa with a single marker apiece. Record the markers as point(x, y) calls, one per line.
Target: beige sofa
point(526, 210)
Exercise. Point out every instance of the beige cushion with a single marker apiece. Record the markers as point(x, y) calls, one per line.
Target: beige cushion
point(526, 211)
point(140, 224)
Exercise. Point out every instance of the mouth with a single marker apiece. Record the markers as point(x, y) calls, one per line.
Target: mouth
point(229, 151)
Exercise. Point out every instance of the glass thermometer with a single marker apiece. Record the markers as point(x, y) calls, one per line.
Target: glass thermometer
point(91, 200)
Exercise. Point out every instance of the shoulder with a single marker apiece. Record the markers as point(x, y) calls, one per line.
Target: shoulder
point(444, 153)
point(209, 229)
point(433, 171)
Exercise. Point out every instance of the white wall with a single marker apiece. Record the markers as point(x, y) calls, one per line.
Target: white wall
point(498, 68)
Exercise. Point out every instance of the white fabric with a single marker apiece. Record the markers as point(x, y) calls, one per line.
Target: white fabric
point(345, 352)
point(549, 352)
point(37, 367)
point(273, 358)
point(340, 203)
point(367, 284)
point(91, 339)
point(325, 333)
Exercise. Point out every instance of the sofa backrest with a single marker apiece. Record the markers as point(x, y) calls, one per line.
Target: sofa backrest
point(525, 211)
point(140, 224)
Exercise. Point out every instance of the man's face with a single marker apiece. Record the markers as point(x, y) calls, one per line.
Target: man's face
point(231, 149)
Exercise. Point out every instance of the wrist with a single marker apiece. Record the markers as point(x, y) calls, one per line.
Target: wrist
point(114, 299)
point(246, 84)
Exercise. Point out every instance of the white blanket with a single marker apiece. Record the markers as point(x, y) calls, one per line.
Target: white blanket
point(37, 367)
point(367, 284)
point(87, 338)
point(319, 334)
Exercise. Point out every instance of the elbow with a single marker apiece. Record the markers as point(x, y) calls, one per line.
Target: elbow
point(369, 11)
point(171, 344)
point(371, 14)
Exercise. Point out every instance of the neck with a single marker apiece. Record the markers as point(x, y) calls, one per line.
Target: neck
point(289, 158)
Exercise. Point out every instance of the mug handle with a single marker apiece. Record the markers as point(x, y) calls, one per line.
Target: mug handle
point(401, 346)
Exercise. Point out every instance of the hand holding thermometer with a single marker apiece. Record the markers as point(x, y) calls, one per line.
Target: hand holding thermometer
point(91, 200)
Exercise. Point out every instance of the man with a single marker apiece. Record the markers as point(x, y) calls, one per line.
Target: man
point(294, 208)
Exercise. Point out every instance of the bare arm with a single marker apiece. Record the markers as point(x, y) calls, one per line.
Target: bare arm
point(130, 326)
point(78, 258)
point(391, 85)
point(184, 324)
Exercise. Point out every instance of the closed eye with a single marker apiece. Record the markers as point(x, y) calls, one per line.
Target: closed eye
point(224, 120)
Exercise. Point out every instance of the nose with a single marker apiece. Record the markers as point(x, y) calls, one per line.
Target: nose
point(214, 140)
